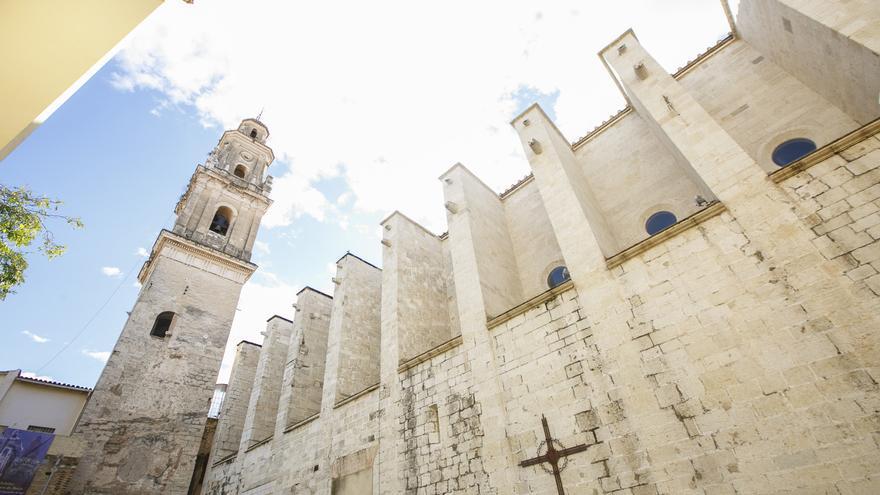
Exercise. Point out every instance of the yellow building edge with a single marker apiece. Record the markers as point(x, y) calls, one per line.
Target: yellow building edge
point(49, 48)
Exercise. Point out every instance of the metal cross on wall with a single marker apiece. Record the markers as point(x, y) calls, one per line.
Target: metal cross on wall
point(553, 455)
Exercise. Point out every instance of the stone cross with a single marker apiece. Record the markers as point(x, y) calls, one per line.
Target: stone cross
point(552, 455)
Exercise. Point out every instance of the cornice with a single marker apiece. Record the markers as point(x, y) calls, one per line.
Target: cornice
point(715, 208)
point(825, 152)
point(228, 180)
point(175, 247)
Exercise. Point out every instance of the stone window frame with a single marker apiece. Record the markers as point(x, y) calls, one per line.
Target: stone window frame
point(168, 331)
point(764, 156)
point(656, 208)
point(234, 215)
point(242, 166)
point(792, 141)
point(655, 214)
point(545, 273)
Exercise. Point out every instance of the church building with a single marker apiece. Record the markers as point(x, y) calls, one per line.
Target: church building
point(686, 300)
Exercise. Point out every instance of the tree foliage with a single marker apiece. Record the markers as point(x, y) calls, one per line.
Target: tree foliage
point(23, 217)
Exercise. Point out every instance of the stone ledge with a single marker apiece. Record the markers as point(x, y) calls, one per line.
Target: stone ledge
point(827, 151)
point(697, 218)
point(304, 422)
point(430, 353)
point(229, 458)
point(531, 303)
point(355, 396)
point(235, 269)
point(260, 443)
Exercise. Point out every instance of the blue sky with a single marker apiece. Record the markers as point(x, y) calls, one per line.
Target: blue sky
point(361, 125)
point(122, 169)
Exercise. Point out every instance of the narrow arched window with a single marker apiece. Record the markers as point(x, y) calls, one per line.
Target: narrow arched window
point(240, 171)
point(220, 223)
point(792, 151)
point(558, 276)
point(660, 221)
point(253, 133)
point(162, 324)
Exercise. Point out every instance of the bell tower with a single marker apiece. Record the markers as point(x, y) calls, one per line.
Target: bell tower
point(143, 423)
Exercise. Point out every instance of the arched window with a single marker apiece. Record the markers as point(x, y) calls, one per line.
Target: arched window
point(253, 133)
point(792, 151)
point(660, 221)
point(162, 324)
point(558, 276)
point(240, 171)
point(220, 223)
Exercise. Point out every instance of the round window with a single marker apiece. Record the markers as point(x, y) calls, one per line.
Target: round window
point(558, 275)
point(660, 221)
point(792, 151)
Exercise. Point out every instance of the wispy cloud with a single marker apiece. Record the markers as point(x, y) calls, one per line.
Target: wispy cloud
point(31, 374)
point(111, 271)
point(36, 338)
point(102, 356)
point(141, 251)
point(261, 247)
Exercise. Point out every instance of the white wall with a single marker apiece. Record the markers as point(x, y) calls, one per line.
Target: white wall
point(31, 404)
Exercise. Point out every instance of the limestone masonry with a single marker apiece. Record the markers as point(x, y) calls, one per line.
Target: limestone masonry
point(684, 301)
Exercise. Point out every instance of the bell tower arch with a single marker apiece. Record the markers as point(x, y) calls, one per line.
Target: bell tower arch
point(142, 425)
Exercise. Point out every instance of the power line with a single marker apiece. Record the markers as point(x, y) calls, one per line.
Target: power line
point(89, 322)
point(98, 312)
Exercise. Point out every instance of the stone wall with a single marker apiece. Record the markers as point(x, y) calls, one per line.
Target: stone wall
point(353, 344)
point(839, 199)
point(235, 403)
point(439, 431)
point(259, 423)
point(832, 46)
point(157, 384)
point(633, 176)
point(413, 268)
point(485, 226)
point(307, 354)
point(531, 235)
point(760, 104)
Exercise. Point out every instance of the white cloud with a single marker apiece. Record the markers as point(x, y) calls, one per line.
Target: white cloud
point(258, 302)
point(31, 374)
point(396, 92)
point(111, 271)
point(36, 338)
point(261, 247)
point(102, 356)
point(141, 251)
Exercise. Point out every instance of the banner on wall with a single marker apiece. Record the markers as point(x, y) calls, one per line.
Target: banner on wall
point(21, 453)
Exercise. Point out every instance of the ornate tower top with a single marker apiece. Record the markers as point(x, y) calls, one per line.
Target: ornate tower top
point(228, 195)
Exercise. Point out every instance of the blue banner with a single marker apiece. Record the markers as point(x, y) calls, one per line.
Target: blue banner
point(21, 453)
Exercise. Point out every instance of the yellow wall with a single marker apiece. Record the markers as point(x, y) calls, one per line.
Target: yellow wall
point(33, 404)
point(46, 49)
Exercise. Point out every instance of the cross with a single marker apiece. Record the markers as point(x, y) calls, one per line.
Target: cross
point(553, 456)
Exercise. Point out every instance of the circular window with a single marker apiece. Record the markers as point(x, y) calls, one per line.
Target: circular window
point(792, 151)
point(660, 221)
point(558, 275)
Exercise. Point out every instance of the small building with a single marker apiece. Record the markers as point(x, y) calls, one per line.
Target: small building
point(50, 407)
point(39, 405)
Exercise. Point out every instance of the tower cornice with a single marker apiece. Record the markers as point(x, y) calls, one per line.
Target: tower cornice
point(243, 186)
point(260, 146)
point(173, 246)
